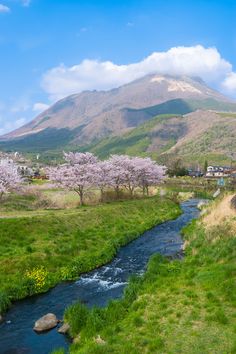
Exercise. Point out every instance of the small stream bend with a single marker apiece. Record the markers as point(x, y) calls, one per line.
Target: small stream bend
point(94, 288)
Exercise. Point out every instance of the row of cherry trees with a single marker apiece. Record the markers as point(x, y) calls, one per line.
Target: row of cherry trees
point(83, 171)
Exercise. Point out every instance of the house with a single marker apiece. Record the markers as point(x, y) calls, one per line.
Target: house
point(23, 169)
point(218, 171)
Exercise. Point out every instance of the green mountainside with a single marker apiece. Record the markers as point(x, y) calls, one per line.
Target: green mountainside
point(193, 137)
point(153, 116)
point(151, 131)
point(178, 106)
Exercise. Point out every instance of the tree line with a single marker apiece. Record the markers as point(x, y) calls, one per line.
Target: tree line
point(82, 171)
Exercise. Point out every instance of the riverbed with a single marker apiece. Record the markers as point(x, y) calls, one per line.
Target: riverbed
point(94, 288)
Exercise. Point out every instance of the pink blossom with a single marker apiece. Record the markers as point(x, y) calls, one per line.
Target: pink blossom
point(9, 178)
point(83, 171)
point(77, 174)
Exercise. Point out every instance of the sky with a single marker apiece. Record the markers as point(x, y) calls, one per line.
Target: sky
point(53, 48)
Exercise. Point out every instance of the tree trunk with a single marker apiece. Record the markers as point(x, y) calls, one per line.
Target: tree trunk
point(81, 196)
point(143, 191)
point(117, 190)
point(102, 195)
point(131, 191)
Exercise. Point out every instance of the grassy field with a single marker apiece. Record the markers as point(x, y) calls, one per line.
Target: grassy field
point(39, 248)
point(176, 307)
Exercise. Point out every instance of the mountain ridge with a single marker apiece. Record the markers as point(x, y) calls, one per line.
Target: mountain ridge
point(100, 112)
point(82, 121)
point(193, 137)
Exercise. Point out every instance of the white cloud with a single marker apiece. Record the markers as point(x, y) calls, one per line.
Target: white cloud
point(206, 63)
point(229, 84)
point(40, 107)
point(25, 3)
point(19, 122)
point(4, 8)
point(11, 125)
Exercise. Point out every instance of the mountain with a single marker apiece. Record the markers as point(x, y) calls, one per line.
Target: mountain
point(193, 137)
point(90, 116)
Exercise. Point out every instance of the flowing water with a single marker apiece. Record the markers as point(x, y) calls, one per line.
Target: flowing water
point(94, 288)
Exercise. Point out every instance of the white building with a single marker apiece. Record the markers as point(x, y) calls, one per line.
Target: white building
point(218, 171)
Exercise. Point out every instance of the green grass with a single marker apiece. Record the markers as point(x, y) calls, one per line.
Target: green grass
point(176, 307)
point(230, 115)
point(40, 249)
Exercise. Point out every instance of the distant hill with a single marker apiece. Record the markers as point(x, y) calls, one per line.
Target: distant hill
point(90, 116)
point(135, 117)
point(194, 137)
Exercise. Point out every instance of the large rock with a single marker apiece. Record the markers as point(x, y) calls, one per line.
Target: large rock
point(64, 328)
point(45, 323)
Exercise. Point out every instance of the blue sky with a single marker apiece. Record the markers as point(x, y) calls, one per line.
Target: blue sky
point(49, 49)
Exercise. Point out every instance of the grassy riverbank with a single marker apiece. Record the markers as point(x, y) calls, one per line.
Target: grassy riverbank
point(38, 251)
point(177, 307)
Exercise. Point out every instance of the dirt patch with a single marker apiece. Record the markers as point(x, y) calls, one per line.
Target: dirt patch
point(220, 212)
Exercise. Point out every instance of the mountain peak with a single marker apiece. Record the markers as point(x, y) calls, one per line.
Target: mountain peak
point(92, 115)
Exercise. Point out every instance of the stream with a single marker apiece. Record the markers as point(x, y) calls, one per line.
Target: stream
point(94, 288)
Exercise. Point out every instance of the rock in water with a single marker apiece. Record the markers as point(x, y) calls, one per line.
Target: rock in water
point(45, 323)
point(64, 328)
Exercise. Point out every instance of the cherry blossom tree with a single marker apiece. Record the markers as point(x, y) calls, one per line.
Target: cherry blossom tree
point(83, 171)
point(77, 174)
point(116, 172)
point(10, 179)
point(102, 176)
point(132, 172)
point(79, 158)
point(125, 172)
point(148, 173)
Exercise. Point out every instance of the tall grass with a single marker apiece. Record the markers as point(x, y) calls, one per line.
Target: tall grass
point(184, 306)
point(39, 251)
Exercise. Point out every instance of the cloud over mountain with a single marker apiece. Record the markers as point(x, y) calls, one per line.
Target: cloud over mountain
point(40, 107)
point(206, 63)
point(230, 83)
